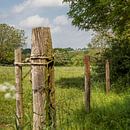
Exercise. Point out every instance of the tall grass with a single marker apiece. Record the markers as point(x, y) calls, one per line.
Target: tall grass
point(110, 112)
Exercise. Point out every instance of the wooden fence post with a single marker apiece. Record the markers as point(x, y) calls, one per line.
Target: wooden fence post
point(87, 83)
point(107, 77)
point(19, 89)
point(44, 113)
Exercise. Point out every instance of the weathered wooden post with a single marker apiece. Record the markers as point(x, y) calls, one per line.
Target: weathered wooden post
point(107, 77)
point(44, 113)
point(87, 83)
point(19, 89)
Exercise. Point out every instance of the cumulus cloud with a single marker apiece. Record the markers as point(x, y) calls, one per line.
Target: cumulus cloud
point(37, 21)
point(56, 29)
point(36, 4)
point(34, 21)
point(61, 20)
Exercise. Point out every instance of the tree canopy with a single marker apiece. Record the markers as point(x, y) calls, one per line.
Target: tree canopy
point(100, 14)
point(110, 19)
point(10, 38)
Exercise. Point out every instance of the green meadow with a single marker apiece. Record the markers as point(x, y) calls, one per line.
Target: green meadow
point(108, 112)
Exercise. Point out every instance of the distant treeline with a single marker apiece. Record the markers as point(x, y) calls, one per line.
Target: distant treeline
point(64, 56)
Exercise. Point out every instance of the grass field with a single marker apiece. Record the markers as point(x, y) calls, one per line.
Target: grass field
point(110, 112)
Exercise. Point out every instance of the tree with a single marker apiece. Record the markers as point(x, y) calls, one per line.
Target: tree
point(100, 14)
point(26, 54)
point(69, 56)
point(117, 51)
point(10, 38)
point(119, 55)
point(62, 56)
point(104, 16)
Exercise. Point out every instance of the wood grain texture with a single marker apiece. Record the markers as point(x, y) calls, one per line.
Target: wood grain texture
point(43, 80)
point(87, 83)
point(107, 77)
point(19, 89)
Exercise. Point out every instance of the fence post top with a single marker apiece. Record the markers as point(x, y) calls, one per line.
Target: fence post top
point(107, 60)
point(86, 58)
point(45, 28)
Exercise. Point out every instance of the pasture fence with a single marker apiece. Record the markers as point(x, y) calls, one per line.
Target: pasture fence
point(42, 73)
point(43, 88)
point(87, 86)
point(69, 95)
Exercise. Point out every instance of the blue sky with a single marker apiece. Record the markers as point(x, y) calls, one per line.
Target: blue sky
point(27, 14)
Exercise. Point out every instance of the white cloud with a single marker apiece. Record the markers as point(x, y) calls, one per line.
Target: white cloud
point(36, 4)
point(34, 21)
point(61, 20)
point(21, 7)
point(56, 29)
point(58, 23)
point(3, 16)
point(71, 37)
point(12, 25)
point(46, 3)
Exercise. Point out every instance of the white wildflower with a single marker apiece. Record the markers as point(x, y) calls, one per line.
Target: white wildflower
point(12, 88)
point(8, 96)
point(3, 88)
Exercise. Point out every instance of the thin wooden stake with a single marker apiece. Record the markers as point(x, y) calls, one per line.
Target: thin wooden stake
point(44, 114)
point(19, 89)
point(87, 83)
point(107, 77)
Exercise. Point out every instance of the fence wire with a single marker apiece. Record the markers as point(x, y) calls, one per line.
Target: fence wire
point(69, 84)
